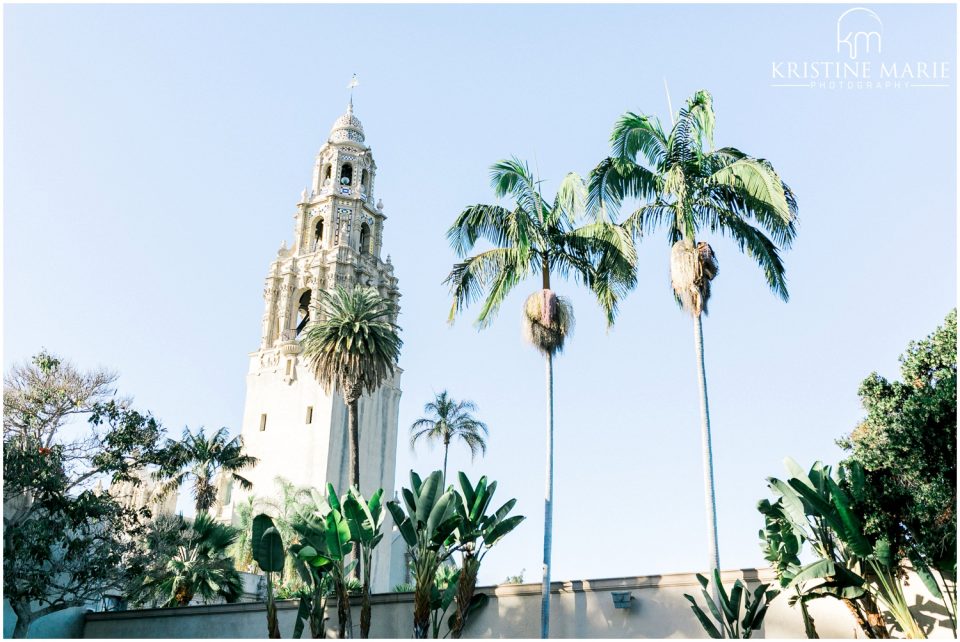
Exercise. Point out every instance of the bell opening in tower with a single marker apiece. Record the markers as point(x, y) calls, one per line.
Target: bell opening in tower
point(318, 235)
point(346, 174)
point(303, 312)
point(365, 238)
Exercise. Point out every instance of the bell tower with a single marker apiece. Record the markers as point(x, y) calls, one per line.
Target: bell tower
point(290, 423)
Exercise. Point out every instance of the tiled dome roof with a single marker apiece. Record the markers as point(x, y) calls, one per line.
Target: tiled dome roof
point(347, 127)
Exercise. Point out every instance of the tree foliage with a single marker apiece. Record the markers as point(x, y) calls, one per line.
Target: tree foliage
point(64, 538)
point(537, 237)
point(355, 347)
point(907, 445)
point(198, 458)
point(449, 420)
point(181, 560)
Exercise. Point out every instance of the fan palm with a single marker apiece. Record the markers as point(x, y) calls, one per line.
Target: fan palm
point(198, 566)
point(354, 349)
point(200, 458)
point(449, 420)
point(688, 187)
point(562, 237)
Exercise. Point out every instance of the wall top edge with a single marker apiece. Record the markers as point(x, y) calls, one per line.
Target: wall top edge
point(568, 586)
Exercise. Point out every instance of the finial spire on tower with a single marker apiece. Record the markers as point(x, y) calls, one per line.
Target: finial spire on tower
point(353, 83)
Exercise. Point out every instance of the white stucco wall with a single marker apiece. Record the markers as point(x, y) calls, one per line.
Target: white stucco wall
point(579, 609)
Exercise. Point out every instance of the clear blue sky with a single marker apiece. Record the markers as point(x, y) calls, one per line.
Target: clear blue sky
point(154, 156)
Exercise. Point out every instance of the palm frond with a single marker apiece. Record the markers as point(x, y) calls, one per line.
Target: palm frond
point(758, 247)
point(356, 345)
point(615, 179)
point(635, 134)
point(512, 177)
point(498, 269)
point(758, 182)
point(647, 218)
point(491, 222)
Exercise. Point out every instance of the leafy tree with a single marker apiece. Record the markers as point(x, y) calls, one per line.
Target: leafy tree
point(689, 188)
point(190, 559)
point(354, 349)
point(450, 420)
point(515, 579)
point(907, 448)
point(538, 237)
point(64, 538)
point(907, 445)
point(199, 458)
point(41, 396)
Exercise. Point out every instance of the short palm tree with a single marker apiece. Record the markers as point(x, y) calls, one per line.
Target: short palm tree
point(200, 458)
point(284, 506)
point(354, 349)
point(242, 548)
point(450, 420)
point(199, 565)
point(542, 238)
point(688, 187)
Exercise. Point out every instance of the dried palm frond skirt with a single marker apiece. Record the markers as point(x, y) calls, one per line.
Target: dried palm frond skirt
point(547, 321)
point(691, 270)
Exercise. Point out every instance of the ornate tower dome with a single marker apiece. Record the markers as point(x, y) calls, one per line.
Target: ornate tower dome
point(347, 128)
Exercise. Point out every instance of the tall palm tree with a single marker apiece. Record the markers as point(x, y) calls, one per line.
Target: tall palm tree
point(688, 187)
point(562, 237)
point(449, 420)
point(354, 349)
point(200, 458)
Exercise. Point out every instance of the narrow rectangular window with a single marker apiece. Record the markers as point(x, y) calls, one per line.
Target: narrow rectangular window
point(263, 422)
point(309, 414)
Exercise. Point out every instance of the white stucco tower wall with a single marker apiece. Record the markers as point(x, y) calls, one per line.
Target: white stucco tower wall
point(290, 423)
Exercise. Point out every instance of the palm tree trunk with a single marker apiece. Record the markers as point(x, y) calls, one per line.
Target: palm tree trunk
point(446, 449)
point(547, 510)
point(354, 412)
point(711, 500)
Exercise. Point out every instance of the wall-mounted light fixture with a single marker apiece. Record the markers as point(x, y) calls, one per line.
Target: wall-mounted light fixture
point(621, 599)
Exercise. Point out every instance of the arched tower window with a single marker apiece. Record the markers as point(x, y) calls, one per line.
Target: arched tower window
point(346, 174)
point(365, 182)
point(365, 238)
point(303, 312)
point(327, 174)
point(318, 235)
